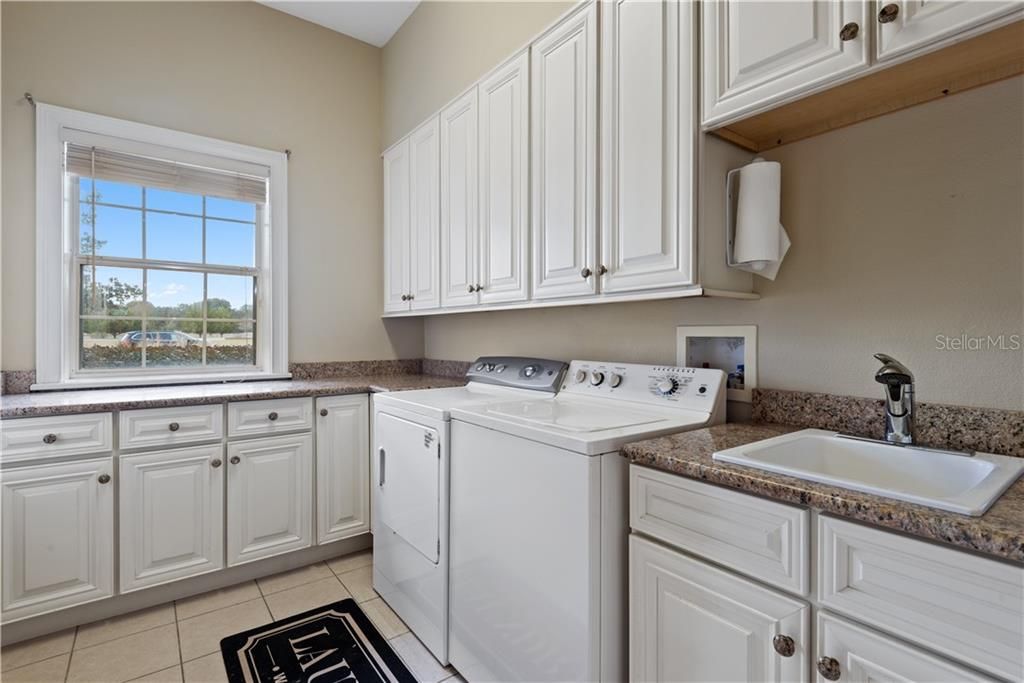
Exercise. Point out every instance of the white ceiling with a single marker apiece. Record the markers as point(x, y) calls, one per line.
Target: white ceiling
point(372, 21)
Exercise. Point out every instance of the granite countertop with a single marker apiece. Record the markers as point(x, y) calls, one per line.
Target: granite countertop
point(998, 533)
point(104, 400)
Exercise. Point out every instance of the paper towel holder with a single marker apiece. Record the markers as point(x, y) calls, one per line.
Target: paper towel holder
point(732, 197)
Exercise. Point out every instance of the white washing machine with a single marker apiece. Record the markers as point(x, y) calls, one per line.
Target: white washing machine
point(539, 519)
point(410, 485)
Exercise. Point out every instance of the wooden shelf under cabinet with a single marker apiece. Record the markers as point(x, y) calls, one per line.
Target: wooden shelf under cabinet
point(978, 61)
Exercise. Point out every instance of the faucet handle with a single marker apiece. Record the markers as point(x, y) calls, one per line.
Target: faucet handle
point(892, 371)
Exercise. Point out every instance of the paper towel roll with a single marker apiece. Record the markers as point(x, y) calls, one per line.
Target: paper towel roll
point(760, 241)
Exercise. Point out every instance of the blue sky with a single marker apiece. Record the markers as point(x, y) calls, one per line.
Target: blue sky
point(173, 237)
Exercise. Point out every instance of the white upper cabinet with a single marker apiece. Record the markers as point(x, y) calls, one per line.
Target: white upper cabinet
point(58, 536)
point(342, 467)
point(504, 182)
point(424, 222)
point(760, 54)
point(909, 25)
point(396, 227)
point(563, 84)
point(172, 515)
point(648, 133)
point(459, 187)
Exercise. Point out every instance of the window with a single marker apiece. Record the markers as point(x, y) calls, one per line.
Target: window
point(167, 249)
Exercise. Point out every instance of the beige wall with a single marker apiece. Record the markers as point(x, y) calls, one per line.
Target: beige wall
point(903, 228)
point(236, 71)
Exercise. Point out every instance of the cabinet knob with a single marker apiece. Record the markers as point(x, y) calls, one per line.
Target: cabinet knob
point(405, 297)
point(174, 426)
point(849, 31)
point(411, 297)
point(471, 289)
point(215, 463)
point(602, 270)
point(272, 417)
point(888, 13)
point(323, 412)
point(585, 273)
point(49, 438)
point(235, 460)
point(784, 645)
point(479, 288)
point(103, 479)
point(828, 667)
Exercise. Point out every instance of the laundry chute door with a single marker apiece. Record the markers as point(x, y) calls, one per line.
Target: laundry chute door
point(408, 482)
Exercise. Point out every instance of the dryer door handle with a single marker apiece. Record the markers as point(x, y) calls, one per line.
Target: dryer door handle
point(382, 454)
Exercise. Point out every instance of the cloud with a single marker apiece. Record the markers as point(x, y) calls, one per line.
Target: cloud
point(171, 289)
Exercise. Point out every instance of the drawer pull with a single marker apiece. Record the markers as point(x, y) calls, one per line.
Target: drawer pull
point(215, 462)
point(323, 412)
point(828, 667)
point(784, 645)
point(174, 426)
point(272, 417)
point(849, 31)
point(50, 438)
point(235, 460)
point(104, 479)
point(380, 466)
point(888, 13)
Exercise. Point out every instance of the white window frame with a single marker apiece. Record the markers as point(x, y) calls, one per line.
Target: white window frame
point(56, 248)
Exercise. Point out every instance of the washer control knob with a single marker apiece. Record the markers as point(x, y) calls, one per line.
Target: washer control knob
point(596, 378)
point(500, 368)
point(490, 367)
point(479, 367)
point(667, 386)
point(614, 380)
point(580, 375)
point(530, 370)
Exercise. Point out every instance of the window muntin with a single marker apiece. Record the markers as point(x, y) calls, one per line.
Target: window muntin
point(167, 279)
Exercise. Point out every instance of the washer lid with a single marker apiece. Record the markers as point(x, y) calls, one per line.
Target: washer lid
point(572, 416)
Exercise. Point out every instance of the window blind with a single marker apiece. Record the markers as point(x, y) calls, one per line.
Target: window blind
point(105, 164)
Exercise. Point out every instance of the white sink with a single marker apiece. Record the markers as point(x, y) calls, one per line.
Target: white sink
point(940, 479)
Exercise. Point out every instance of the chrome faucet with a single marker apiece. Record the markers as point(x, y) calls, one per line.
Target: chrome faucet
point(899, 399)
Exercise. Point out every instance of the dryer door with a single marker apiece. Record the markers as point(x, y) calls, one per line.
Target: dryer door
point(408, 482)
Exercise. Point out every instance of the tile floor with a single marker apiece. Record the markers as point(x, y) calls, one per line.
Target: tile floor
point(180, 641)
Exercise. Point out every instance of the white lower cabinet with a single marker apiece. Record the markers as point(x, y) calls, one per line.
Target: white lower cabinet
point(342, 467)
point(270, 501)
point(58, 536)
point(172, 515)
point(692, 622)
point(855, 654)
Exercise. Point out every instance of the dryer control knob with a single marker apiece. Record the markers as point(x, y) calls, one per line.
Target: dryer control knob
point(580, 375)
point(614, 380)
point(530, 371)
point(667, 386)
point(596, 378)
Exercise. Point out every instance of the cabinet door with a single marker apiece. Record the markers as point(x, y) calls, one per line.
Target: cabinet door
point(912, 25)
point(863, 655)
point(647, 144)
point(504, 182)
point(563, 85)
point(691, 622)
point(172, 515)
point(424, 231)
point(396, 227)
point(459, 201)
point(760, 54)
point(342, 467)
point(270, 497)
point(58, 536)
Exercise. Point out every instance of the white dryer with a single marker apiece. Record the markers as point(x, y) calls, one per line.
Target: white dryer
point(410, 469)
point(539, 519)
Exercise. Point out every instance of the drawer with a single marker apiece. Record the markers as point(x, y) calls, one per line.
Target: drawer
point(967, 607)
point(253, 418)
point(760, 538)
point(34, 438)
point(170, 426)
